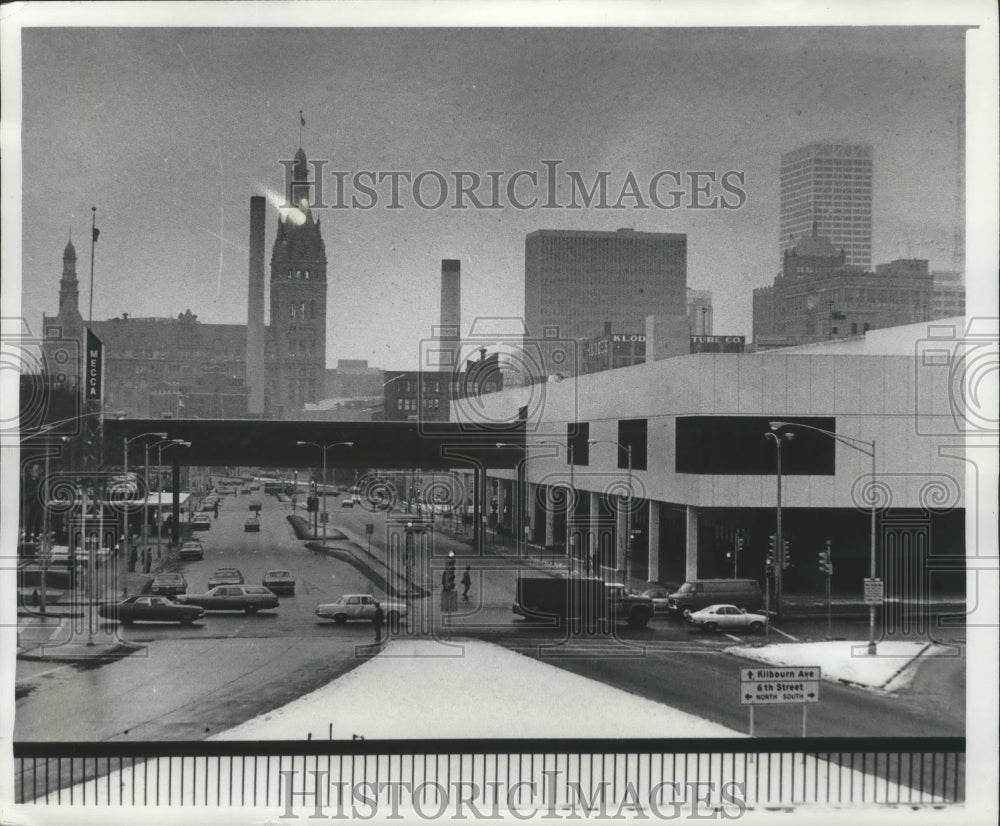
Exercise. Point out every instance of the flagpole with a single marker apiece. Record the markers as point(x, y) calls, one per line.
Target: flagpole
point(93, 239)
point(302, 122)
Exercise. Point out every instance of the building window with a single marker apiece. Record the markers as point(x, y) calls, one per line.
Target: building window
point(292, 309)
point(312, 304)
point(577, 442)
point(854, 328)
point(632, 433)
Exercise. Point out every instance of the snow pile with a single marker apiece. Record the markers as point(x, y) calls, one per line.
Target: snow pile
point(437, 689)
point(892, 667)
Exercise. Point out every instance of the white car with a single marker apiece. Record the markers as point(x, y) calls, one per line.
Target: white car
point(360, 607)
point(716, 617)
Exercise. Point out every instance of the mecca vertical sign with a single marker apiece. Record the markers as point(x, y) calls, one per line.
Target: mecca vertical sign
point(94, 370)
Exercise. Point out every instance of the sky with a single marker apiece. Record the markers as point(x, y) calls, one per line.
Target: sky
point(169, 132)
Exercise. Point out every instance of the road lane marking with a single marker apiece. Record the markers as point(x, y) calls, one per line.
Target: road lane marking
point(734, 638)
point(784, 634)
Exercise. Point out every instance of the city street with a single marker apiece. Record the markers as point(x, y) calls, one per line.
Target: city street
point(190, 682)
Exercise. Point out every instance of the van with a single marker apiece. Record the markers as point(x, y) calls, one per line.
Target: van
point(696, 594)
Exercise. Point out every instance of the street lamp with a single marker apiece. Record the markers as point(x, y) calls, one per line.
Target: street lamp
point(628, 514)
point(126, 441)
point(325, 448)
point(779, 547)
point(571, 501)
point(159, 493)
point(868, 448)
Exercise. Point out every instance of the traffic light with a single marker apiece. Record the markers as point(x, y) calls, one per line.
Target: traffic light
point(826, 560)
point(739, 543)
point(771, 541)
point(785, 560)
point(312, 504)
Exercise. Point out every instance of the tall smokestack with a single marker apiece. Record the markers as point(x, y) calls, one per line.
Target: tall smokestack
point(451, 312)
point(255, 308)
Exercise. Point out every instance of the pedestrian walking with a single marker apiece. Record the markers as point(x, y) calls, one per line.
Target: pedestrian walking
point(133, 557)
point(378, 620)
point(466, 584)
point(216, 509)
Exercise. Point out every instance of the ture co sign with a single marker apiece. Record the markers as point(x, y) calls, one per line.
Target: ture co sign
point(718, 344)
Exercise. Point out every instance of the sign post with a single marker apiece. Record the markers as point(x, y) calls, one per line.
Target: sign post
point(780, 685)
point(873, 591)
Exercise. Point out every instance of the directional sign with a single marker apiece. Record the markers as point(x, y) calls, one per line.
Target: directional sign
point(775, 685)
point(873, 591)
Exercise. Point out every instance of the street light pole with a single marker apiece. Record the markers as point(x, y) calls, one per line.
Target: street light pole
point(868, 448)
point(324, 448)
point(126, 441)
point(779, 546)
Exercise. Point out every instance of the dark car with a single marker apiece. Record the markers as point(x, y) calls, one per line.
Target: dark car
point(150, 608)
point(252, 524)
point(226, 576)
point(249, 598)
point(279, 582)
point(192, 549)
point(168, 584)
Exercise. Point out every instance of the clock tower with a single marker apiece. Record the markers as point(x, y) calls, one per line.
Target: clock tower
point(296, 362)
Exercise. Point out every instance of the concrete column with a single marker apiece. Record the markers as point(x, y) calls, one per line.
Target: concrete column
point(550, 519)
point(691, 543)
point(653, 554)
point(593, 535)
point(621, 521)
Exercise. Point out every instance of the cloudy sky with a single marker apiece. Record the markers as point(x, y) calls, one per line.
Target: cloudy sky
point(168, 132)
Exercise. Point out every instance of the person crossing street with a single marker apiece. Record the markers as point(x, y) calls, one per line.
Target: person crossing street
point(377, 621)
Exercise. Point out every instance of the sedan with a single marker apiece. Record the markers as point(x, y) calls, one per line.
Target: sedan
point(226, 576)
point(201, 522)
point(192, 549)
point(279, 582)
point(249, 598)
point(360, 607)
point(715, 617)
point(252, 524)
point(169, 584)
point(150, 609)
point(346, 503)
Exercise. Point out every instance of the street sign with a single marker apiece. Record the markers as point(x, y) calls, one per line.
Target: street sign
point(324, 517)
point(873, 591)
point(777, 685)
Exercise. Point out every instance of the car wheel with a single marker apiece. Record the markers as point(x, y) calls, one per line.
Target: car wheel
point(251, 609)
point(756, 627)
point(340, 619)
point(711, 626)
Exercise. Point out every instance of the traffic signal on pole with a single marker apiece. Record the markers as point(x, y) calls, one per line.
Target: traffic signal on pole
point(785, 561)
point(771, 541)
point(739, 543)
point(826, 560)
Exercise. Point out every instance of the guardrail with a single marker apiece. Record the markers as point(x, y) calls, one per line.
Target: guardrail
point(562, 775)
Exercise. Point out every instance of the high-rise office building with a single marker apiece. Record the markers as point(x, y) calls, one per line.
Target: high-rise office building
point(577, 281)
point(829, 185)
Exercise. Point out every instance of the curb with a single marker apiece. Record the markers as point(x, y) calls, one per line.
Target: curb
point(348, 555)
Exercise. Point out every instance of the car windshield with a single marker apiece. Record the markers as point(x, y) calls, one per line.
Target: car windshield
point(256, 591)
point(686, 588)
point(278, 573)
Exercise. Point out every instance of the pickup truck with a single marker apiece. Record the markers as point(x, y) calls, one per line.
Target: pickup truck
point(548, 599)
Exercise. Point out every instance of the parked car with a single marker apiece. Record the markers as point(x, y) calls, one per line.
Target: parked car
point(192, 549)
point(249, 598)
point(201, 522)
point(256, 507)
point(660, 597)
point(226, 576)
point(252, 524)
point(696, 594)
point(168, 584)
point(726, 616)
point(360, 607)
point(279, 582)
point(346, 503)
point(150, 608)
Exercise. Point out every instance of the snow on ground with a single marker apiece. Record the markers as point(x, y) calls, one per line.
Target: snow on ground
point(468, 689)
point(477, 690)
point(892, 667)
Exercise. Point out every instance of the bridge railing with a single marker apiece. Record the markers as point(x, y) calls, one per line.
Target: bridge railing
point(306, 777)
